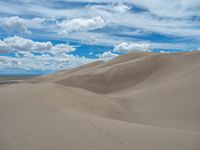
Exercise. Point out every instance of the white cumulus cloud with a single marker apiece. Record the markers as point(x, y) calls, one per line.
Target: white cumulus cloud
point(129, 47)
point(14, 24)
point(16, 43)
point(107, 55)
point(81, 24)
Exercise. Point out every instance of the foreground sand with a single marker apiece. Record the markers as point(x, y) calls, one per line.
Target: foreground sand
point(139, 101)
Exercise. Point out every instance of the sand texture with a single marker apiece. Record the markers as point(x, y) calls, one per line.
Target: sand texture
point(137, 101)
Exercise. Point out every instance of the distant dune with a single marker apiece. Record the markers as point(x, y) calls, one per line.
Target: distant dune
point(137, 101)
point(10, 79)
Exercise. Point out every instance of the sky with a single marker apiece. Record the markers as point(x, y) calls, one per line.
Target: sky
point(41, 37)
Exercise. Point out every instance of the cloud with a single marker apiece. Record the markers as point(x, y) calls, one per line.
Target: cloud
point(42, 62)
point(14, 24)
point(15, 43)
point(171, 8)
point(129, 25)
point(122, 8)
point(35, 23)
point(81, 24)
point(61, 49)
point(147, 21)
point(129, 47)
point(107, 55)
point(43, 56)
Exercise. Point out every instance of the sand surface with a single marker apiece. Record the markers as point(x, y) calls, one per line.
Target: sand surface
point(10, 79)
point(138, 101)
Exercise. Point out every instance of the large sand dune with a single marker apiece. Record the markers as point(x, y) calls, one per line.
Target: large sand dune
point(138, 101)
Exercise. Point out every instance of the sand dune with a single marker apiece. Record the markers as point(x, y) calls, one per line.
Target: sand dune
point(140, 101)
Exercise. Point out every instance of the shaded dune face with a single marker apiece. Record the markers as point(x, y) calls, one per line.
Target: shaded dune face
point(144, 101)
point(127, 71)
point(113, 78)
point(123, 72)
point(146, 86)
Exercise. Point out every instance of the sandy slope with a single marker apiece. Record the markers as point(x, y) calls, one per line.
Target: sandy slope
point(140, 101)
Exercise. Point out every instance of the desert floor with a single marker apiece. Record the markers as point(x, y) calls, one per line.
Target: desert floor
point(138, 101)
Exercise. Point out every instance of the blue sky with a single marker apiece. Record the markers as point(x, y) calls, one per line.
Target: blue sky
point(38, 37)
